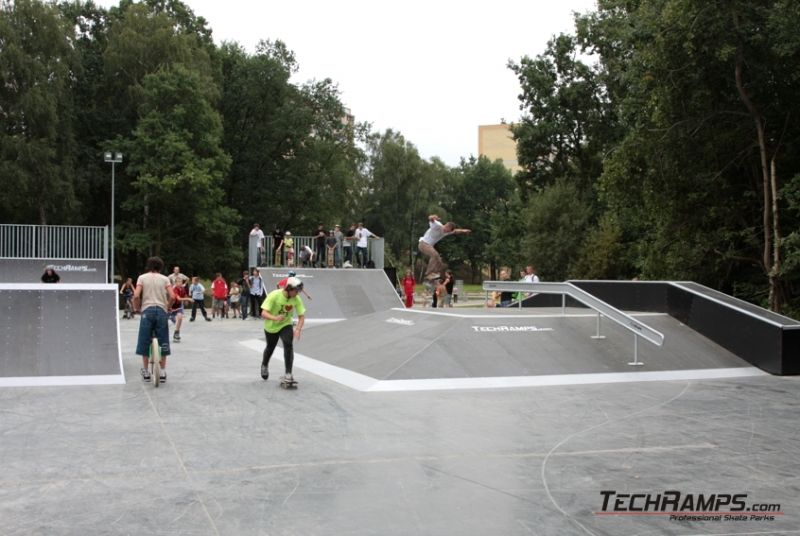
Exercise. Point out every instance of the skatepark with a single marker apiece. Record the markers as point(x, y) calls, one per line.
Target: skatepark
point(421, 421)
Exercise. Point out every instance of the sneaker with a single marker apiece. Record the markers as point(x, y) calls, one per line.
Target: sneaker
point(145, 375)
point(163, 376)
point(176, 337)
point(288, 377)
point(208, 319)
point(264, 372)
point(191, 320)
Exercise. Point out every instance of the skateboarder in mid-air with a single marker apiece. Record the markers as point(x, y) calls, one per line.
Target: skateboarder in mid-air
point(277, 311)
point(436, 231)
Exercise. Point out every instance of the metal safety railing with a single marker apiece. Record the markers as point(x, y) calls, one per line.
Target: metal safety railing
point(345, 252)
point(53, 242)
point(639, 329)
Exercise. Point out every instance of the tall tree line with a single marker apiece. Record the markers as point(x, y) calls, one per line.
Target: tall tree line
point(663, 132)
point(657, 141)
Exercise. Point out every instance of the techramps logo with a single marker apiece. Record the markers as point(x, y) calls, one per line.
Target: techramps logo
point(509, 329)
point(73, 268)
point(680, 506)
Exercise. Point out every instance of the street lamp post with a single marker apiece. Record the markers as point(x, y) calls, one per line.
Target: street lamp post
point(113, 158)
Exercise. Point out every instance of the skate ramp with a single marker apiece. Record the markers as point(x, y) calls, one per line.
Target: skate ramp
point(70, 270)
point(403, 344)
point(339, 293)
point(62, 334)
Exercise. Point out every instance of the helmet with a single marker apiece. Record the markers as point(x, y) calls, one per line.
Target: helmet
point(292, 273)
point(288, 233)
point(293, 283)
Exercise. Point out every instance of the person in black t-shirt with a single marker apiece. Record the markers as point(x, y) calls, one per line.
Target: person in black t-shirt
point(50, 275)
point(277, 246)
point(319, 245)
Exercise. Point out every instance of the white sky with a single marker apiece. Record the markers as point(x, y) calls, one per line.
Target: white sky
point(433, 70)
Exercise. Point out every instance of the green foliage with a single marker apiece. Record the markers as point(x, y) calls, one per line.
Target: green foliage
point(400, 192)
point(178, 167)
point(602, 253)
point(650, 143)
point(555, 224)
point(291, 147)
point(38, 67)
point(482, 195)
point(567, 118)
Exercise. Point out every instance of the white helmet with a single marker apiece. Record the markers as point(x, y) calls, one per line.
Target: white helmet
point(294, 283)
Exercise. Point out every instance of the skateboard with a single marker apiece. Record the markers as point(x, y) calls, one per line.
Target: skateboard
point(288, 384)
point(278, 257)
point(330, 256)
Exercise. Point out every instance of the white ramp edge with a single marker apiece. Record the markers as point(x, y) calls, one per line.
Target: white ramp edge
point(361, 382)
point(52, 381)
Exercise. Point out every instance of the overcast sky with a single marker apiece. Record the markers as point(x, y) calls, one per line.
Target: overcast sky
point(433, 70)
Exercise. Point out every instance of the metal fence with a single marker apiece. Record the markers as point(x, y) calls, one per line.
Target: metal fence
point(53, 242)
point(344, 252)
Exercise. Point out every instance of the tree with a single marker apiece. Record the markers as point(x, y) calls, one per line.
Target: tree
point(402, 190)
point(291, 146)
point(555, 225)
point(38, 67)
point(484, 195)
point(178, 166)
point(705, 91)
point(567, 120)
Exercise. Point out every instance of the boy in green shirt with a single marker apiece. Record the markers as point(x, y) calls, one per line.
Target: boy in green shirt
point(277, 312)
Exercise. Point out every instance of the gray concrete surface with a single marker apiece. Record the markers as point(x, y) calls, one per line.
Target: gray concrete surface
point(403, 344)
point(216, 450)
point(340, 293)
point(64, 332)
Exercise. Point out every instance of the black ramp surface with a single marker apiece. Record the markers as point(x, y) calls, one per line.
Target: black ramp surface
point(339, 293)
point(58, 332)
point(400, 344)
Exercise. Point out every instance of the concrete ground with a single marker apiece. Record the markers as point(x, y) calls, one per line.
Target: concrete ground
point(216, 450)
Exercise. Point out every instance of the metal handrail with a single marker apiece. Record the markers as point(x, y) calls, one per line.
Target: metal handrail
point(374, 251)
point(626, 321)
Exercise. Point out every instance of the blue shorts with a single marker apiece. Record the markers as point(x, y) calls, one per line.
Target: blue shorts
point(173, 315)
point(153, 323)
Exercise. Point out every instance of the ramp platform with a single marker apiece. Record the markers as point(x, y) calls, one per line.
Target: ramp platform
point(341, 293)
point(404, 349)
point(59, 334)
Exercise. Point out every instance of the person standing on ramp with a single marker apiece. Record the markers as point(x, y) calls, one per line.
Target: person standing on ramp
point(278, 311)
point(436, 231)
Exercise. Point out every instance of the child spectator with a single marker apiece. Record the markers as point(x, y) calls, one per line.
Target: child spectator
point(441, 292)
point(198, 291)
point(288, 247)
point(176, 312)
point(219, 296)
point(408, 288)
point(235, 297)
point(127, 294)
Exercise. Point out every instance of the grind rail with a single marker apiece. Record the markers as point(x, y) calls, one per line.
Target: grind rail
point(602, 308)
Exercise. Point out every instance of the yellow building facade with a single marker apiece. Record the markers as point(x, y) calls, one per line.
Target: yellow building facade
point(496, 142)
